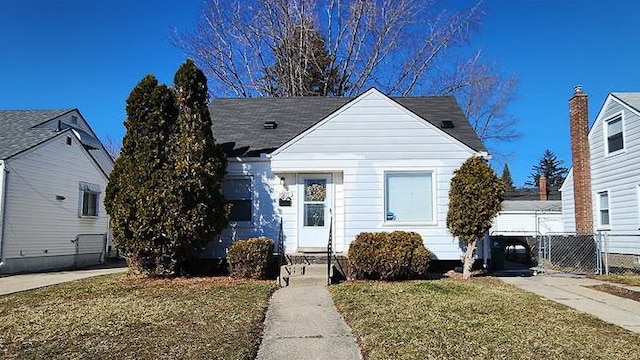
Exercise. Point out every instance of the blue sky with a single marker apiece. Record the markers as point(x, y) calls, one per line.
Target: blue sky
point(89, 55)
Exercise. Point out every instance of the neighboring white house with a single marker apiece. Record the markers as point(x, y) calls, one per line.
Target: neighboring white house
point(612, 187)
point(370, 163)
point(53, 173)
point(528, 218)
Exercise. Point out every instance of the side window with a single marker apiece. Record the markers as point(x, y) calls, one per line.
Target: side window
point(615, 135)
point(89, 200)
point(238, 193)
point(603, 209)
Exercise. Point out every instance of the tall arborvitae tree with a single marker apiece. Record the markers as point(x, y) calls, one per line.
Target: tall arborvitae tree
point(304, 67)
point(164, 194)
point(506, 177)
point(475, 198)
point(136, 184)
point(551, 168)
point(195, 205)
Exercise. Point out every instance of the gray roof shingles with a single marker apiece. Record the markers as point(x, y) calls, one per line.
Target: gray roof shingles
point(17, 133)
point(630, 98)
point(238, 124)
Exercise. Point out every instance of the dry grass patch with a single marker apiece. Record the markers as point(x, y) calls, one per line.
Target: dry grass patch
point(126, 317)
point(481, 318)
point(629, 278)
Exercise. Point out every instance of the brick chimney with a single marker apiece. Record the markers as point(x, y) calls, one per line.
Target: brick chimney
point(579, 126)
point(542, 185)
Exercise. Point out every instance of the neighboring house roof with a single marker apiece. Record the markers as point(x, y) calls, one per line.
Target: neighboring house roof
point(531, 194)
point(532, 205)
point(17, 133)
point(631, 99)
point(238, 124)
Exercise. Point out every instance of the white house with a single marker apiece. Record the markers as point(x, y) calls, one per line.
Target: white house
point(528, 218)
point(602, 191)
point(370, 163)
point(53, 173)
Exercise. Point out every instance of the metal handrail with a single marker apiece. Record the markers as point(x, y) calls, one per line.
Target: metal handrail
point(280, 252)
point(329, 250)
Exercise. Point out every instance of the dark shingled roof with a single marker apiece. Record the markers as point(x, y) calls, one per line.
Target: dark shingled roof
point(238, 124)
point(531, 194)
point(17, 133)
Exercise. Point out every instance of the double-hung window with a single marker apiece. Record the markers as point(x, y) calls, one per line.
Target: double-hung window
point(89, 200)
point(238, 193)
point(409, 196)
point(615, 134)
point(603, 209)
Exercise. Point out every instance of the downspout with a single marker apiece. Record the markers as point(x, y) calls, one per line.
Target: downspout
point(3, 206)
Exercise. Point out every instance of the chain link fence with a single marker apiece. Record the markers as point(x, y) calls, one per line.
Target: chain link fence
point(599, 253)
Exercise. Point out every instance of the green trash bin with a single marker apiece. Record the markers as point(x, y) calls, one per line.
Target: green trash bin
point(497, 253)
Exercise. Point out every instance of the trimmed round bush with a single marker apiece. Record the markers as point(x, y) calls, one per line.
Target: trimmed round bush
point(251, 258)
point(399, 255)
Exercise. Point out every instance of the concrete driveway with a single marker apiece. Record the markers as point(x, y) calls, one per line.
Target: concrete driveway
point(16, 283)
point(574, 292)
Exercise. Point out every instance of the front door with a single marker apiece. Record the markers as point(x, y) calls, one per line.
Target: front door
point(314, 211)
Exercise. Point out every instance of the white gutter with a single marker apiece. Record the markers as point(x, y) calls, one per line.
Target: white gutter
point(3, 191)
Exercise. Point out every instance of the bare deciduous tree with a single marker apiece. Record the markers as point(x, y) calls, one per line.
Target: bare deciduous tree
point(402, 47)
point(112, 146)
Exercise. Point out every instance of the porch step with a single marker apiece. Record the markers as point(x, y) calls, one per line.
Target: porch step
point(303, 275)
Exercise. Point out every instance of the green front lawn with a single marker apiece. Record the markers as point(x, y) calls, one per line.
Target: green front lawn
point(122, 316)
point(479, 319)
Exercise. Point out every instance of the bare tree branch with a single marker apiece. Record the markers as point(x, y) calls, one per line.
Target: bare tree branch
point(402, 47)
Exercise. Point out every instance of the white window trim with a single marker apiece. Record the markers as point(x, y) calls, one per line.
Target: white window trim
point(252, 199)
point(605, 131)
point(89, 188)
point(602, 226)
point(393, 223)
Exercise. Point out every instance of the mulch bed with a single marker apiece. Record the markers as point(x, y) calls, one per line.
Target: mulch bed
point(617, 291)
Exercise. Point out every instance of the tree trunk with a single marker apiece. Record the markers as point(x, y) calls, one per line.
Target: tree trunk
point(468, 259)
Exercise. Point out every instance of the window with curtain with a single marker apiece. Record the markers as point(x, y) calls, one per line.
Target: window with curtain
point(409, 196)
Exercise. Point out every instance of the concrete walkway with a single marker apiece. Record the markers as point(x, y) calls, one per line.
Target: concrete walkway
point(571, 291)
point(16, 283)
point(302, 322)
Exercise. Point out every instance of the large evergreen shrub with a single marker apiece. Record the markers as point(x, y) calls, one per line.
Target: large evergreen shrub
point(475, 198)
point(251, 258)
point(163, 194)
point(387, 256)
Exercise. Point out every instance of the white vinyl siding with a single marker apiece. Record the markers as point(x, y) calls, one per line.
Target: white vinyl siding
point(618, 174)
point(42, 200)
point(604, 220)
point(358, 144)
point(568, 207)
point(409, 197)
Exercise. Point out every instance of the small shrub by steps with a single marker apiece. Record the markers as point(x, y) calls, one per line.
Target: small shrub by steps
point(399, 255)
point(252, 259)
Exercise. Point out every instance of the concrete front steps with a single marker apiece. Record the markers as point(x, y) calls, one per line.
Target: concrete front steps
point(304, 269)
